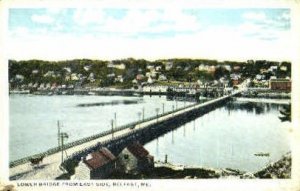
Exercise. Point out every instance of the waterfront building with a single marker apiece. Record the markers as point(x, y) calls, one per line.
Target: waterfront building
point(135, 158)
point(280, 84)
point(96, 165)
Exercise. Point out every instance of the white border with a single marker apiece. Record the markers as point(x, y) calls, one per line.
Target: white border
point(292, 184)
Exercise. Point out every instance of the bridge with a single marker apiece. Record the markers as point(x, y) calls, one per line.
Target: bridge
point(142, 131)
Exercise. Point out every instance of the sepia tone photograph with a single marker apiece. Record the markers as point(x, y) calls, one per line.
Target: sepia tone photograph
point(139, 93)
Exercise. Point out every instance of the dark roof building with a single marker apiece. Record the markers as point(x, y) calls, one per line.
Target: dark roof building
point(135, 158)
point(281, 84)
point(97, 165)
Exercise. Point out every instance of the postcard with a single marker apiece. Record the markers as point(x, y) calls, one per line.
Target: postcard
point(146, 95)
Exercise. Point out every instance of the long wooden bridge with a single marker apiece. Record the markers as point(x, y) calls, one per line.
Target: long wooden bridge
point(142, 131)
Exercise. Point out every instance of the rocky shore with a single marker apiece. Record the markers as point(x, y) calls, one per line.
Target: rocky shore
point(279, 169)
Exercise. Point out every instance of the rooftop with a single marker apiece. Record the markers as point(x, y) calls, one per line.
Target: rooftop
point(137, 150)
point(99, 158)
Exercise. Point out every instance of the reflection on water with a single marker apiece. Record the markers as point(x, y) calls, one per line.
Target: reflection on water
point(250, 107)
point(227, 137)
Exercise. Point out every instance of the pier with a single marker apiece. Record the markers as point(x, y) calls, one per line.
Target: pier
point(142, 131)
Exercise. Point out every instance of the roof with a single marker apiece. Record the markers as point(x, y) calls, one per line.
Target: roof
point(137, 150)
point(99, 158)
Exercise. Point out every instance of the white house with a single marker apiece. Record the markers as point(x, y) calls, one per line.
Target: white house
point(168, 65)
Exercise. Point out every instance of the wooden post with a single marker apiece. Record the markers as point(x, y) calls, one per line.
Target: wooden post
point(166, 158)
point(58, 133)
point(163, 108)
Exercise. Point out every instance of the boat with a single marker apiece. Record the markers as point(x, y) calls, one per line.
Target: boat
point(262, 154)
point(91, 93)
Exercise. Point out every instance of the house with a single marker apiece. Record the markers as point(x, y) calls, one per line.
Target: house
point(20, 77)
point(202, 67)
point(283, 68)
point(236, 68)
point(68, 69)
point(263, 70)
point(87, 67)
point(227, 67)
point(273, 68)
point(74, 77)
point(111, 75)
point(168, 65)
point(158, 68)
point(35, 71)
point(235, 82)
point(50, 74)
point(97, 165)
point(91, 77)
point(110, 64)
point(150, 67)
point(135, 158)
point(119, 78)
point(150, 80)
point(134, 81)
point(120, 66)
point(162, 77)
point(211, 69)
point(259, 77)
point(280, 84)
point(140, 77)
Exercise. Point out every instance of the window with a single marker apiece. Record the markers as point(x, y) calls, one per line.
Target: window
point(126, 156)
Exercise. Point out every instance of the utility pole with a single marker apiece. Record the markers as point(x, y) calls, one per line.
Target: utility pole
point(173, 110)
point(115, 119)
point(143, 113)
point(58, 133)
point(112, 129)
point(62, 137)
point(157, 110)
point(139, 121)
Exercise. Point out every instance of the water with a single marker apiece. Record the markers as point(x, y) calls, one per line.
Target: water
point(227, 137)
point(33, 119)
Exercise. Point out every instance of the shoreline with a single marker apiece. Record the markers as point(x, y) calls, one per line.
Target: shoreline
point(265, 100)
point(280, 169)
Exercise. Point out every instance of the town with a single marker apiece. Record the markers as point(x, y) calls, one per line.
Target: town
point(132, 77)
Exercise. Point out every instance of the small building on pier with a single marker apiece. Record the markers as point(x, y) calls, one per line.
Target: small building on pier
point(135, 158)
point(96, 165)
point(281, 84)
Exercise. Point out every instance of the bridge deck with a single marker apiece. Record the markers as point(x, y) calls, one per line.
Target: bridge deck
point(49, 169)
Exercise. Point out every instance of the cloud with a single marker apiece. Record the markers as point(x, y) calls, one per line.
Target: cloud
point(44, 19)
point(98, 35)
point(88, 16)
point(136, 21)
point(254, 16)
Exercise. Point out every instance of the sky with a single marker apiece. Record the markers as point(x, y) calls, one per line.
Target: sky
point(149, 33)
